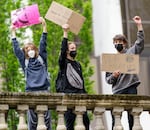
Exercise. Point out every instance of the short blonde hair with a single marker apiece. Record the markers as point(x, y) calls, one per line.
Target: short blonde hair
point(71, 42)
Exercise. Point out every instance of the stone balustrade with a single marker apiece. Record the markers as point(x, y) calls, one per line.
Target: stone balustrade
point(97, 104)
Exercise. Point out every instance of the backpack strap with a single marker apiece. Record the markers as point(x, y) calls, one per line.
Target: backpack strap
point(40, 60)
point(26, 63)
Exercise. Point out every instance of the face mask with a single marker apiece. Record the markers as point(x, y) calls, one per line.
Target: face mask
point(73, 54)
point(31, 53)
point(119, 47)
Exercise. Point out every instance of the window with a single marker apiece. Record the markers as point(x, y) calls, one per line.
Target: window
point(131, 8)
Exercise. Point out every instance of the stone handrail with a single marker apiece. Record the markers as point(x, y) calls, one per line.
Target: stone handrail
point(98, 104)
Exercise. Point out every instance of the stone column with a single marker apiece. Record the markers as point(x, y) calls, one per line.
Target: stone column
point(136, 111)
point(22, 110)
point(117, 112)
point(61, 110)
point(3, 109)
point(79, 110)
point(98, 113)
point(41, 109)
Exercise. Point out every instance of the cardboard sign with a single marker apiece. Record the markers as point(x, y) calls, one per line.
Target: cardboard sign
point(126, 63)
point(60, 15)
point(26, 16)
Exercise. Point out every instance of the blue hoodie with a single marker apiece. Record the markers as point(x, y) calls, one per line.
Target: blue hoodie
point(35, 73)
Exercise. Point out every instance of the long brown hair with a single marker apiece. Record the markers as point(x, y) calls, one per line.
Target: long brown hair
point(25, 49)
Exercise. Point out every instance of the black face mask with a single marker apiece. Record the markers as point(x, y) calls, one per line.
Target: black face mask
point(119, 47)
point(73, 54)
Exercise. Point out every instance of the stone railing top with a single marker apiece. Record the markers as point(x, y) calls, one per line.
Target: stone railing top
point(71, 100)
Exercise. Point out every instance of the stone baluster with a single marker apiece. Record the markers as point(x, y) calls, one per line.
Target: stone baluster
point(79, 110)
point(3, 109)
point(98, 113)
point(41, 109)
point(61, 110)
point(136, 111)
point(22, 109)
point(117, 112)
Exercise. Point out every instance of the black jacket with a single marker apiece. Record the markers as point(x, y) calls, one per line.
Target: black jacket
point(63, 65)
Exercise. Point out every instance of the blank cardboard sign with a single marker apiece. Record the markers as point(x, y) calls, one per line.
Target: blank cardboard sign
point(126, 63)
point(60, 15)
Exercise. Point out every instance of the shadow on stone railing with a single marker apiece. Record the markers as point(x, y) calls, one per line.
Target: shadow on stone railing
point(98, 104)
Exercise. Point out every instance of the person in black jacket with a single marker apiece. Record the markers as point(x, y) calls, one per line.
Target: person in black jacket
point(72, 76)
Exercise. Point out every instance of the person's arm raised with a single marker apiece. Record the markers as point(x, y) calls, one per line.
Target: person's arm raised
point(65, 28)
point(13, 31)
point(42, 20)
point(138, 21)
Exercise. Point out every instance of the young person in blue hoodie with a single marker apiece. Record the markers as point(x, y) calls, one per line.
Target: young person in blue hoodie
point(34, 64)
point(126, 83)
point(72, 77)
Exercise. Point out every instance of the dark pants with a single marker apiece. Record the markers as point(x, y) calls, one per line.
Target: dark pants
point(130, 121)
point(33, 120)
point(70, 119)
point(131, 90)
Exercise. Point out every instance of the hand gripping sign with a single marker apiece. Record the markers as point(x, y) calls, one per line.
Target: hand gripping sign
point(125, 63)
point(26, 16)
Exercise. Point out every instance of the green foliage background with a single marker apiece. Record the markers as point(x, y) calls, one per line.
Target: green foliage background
point(11, 72)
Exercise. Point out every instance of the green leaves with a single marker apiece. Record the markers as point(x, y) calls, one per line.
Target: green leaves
point(11, 71)
point(55, 33)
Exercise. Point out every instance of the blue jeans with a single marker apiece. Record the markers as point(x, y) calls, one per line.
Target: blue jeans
point(130, 90)
point(33, 120)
